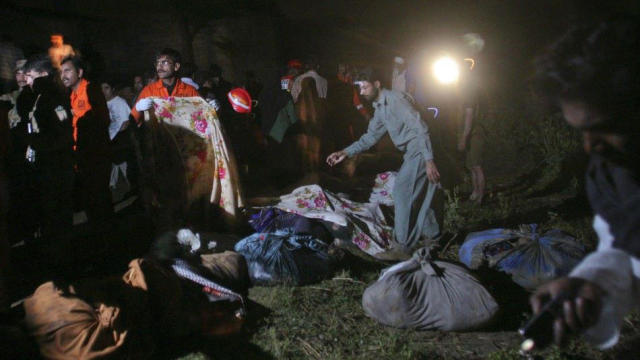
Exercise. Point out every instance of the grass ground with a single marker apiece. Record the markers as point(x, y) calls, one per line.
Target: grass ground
point(326, 320)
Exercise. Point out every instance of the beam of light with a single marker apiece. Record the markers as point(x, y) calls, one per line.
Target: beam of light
point(435, 111)
point(471, 62)
point(446, 70)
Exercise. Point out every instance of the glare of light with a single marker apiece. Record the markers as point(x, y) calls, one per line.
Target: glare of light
point(446, 70)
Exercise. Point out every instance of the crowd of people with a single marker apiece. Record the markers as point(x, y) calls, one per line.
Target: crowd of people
point(69, 141)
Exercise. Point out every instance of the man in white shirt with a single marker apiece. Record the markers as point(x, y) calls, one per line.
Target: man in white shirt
point(321, 83)
point(119, 110)
point(594, 74)
point(119, 114)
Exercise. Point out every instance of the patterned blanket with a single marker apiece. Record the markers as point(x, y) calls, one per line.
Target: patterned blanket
point(365, 222)
point(210, 167)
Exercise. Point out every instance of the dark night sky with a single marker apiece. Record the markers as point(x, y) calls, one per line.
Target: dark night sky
point(514, 30)
point(373, 31)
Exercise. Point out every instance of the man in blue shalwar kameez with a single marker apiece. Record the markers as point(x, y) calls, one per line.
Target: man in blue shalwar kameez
point(418, 176)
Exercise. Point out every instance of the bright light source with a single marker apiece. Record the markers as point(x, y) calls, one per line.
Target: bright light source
point(446, 70)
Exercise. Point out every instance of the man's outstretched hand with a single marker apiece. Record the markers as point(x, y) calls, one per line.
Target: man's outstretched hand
point(580, 309)
point(336, 157)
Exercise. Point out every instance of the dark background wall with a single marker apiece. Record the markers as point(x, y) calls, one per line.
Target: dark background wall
point(120, 45)
point(121, 37)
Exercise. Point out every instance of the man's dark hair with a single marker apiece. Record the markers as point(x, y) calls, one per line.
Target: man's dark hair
point(172, 54)
point(77, 62)
point(39, 63)
point(110, 83)
point(206, 92)
point(596, 64)
point(370, 75)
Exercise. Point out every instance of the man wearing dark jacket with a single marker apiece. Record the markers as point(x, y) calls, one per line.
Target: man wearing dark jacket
point(91, 141)
point(49, 151)
point(23, 205)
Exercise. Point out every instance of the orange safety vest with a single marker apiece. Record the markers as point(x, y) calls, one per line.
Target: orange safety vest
point(157, 89)
point(79, 106)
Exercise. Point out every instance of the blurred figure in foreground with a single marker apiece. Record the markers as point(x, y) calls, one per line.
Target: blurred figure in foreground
point(593, 72)
point(59, 50)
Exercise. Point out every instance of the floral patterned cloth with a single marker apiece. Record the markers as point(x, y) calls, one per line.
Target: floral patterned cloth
point(366, 224)
point(210, 165)
point(383, 188)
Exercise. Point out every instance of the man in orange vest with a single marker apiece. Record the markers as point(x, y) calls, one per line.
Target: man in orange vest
point(168, 84)
point(90, 141)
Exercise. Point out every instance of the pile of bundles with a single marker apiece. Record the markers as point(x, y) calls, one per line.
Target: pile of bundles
point(183, 289)
point(292, 239)
point(366, 225)
point(157, 299)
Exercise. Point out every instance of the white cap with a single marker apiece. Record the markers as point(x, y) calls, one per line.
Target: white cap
point(398, 60)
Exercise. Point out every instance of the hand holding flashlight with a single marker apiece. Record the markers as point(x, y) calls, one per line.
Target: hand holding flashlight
point(561, 307)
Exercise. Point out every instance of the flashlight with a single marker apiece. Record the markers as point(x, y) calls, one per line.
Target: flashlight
point(446, 70)
point(538, 330)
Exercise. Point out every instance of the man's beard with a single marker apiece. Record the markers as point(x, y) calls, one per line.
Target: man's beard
point(66, 82)
point(165, 75)
point(373, 96)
